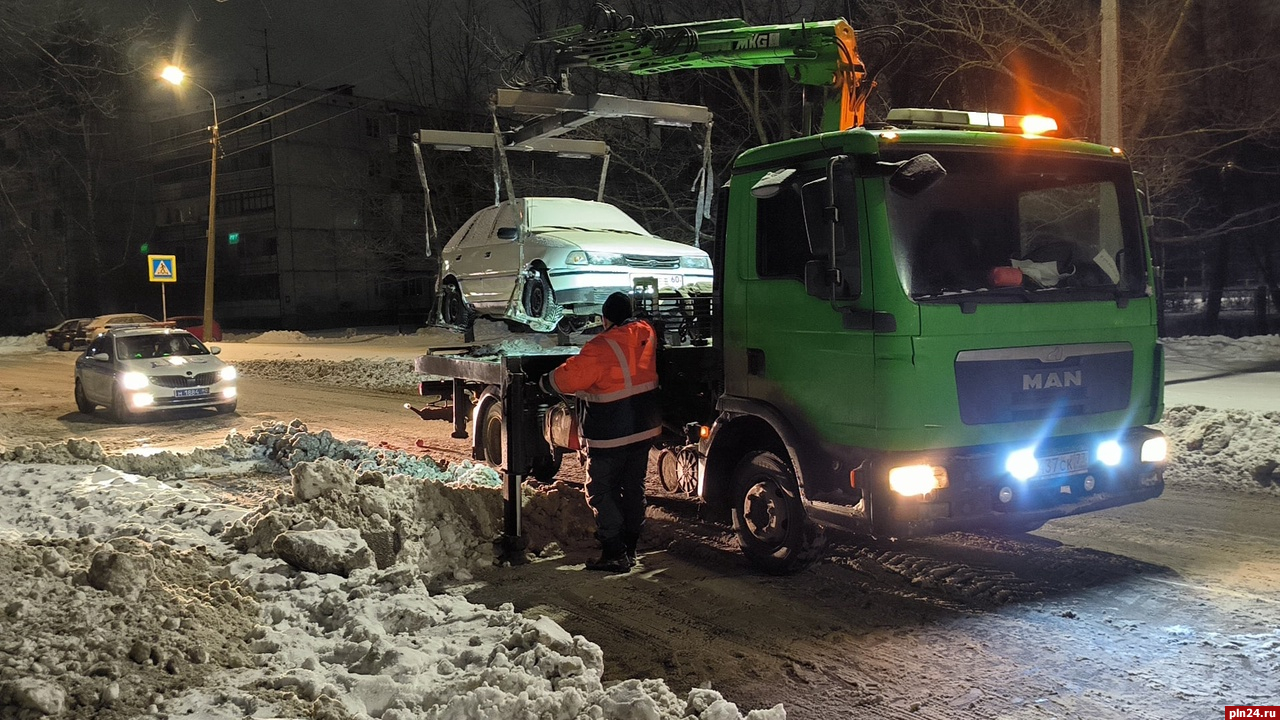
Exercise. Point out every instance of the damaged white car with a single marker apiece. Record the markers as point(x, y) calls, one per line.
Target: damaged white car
point(539, 260)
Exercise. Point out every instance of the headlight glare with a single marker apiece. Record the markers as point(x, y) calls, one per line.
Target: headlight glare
point(140, 400)
point(917, 479)
point(227, 373)
point(133, 381)
point(1110, 453)
point(1155, 449)
point(1022, 464)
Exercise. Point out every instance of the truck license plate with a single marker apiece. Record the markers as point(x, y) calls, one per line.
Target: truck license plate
point(1065, 464)
point(670, 281)
point(191, 392)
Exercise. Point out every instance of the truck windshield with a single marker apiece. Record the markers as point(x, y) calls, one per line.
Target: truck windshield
point(1013, 227)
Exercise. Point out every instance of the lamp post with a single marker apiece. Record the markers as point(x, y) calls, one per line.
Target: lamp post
point(175, 75)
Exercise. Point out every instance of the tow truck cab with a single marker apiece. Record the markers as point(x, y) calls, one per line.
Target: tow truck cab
point(931, 326)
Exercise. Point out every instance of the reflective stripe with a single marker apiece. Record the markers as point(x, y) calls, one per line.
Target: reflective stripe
point(588, 443)
point(616, 395)
point(622, 360)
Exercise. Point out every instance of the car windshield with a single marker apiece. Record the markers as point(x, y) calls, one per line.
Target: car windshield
point(144, 347)
point(551, 213)
point(1003, 228)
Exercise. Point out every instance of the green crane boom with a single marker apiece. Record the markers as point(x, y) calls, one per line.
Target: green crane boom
point(813, 53)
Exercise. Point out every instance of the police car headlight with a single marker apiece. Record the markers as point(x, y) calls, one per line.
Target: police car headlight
point(227, 373)
point(133, 381)
point(1155, 449)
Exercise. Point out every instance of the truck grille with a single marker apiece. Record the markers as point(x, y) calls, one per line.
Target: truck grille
point(653, 262)
point(178, 381)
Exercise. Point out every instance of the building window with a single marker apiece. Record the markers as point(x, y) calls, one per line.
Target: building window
point(247, 201)
point(373, 127)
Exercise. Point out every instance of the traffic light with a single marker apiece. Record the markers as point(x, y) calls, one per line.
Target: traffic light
point(146, 248)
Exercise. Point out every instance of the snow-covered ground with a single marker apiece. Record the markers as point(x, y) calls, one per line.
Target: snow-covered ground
point(133, 585)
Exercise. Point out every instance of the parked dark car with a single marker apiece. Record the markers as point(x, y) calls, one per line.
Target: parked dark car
point(194, 324)
point(67, 334)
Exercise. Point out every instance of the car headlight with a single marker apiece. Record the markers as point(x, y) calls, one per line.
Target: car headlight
point(133, 381)
point(700, 262)
point(227, 373)
point(581, 257)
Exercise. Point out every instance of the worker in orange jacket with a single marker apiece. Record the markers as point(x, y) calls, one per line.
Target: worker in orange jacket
point(615, 378)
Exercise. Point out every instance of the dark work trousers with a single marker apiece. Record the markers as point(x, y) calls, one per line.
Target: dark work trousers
point(615, 489)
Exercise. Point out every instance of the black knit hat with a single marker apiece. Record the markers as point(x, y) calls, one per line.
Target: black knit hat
point(617, 308)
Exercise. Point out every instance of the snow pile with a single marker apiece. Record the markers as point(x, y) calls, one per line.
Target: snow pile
point(1214, 449)
point(1219, 350)
point(281, 337)
point(21, 343)
point(138, 596)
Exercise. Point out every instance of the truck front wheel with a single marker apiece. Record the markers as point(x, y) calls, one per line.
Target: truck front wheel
point(773, 529)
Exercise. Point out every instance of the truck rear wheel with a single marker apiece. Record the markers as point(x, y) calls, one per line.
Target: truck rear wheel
point(491, 433)
point(774, 531)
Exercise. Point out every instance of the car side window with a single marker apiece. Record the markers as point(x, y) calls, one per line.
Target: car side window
point(99, 345)
point(482, 230)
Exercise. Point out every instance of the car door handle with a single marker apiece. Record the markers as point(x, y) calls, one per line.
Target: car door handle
point(488, 254)
point(459, 257)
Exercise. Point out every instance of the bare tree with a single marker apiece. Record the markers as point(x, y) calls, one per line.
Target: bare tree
point(64, 77)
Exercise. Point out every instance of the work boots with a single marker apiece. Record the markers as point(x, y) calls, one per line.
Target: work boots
point(613, 557)
point(629, 543)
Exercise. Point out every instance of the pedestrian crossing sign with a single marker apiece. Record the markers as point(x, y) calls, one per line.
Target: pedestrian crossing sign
point(162, 268)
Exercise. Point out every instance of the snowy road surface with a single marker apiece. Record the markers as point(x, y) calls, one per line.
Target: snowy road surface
point(216, 584)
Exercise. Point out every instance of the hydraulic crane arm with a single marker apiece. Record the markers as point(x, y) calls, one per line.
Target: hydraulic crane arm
point(813, 53)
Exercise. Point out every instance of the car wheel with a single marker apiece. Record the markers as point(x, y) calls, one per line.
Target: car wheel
point(537, 294)
point(120, 409)
point(82, 402)
point(65, 345)
point(773, 529)
point(453, 307)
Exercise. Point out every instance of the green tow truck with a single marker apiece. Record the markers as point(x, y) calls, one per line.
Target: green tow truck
point(944, 321)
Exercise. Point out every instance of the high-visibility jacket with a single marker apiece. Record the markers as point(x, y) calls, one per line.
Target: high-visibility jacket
point(615, 376)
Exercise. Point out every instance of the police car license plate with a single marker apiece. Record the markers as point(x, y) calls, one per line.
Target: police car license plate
point(1062, 465)
point(190, 392)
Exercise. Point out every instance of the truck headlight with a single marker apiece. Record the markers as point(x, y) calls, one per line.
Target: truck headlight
point(700, 262)
point(1022, 464)
point(133, 381)
point(917, 479)
point(1110, 453)
point(1155, 450)
point(227, 373)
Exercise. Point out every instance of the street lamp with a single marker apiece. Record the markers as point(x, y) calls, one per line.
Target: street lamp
point(175, 75)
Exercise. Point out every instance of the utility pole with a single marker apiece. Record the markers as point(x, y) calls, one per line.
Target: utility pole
point(1110, 131)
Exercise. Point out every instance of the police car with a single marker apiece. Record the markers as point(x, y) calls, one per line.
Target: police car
point(136, 370)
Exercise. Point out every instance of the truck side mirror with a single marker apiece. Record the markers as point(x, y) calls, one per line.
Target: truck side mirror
point(831, 219)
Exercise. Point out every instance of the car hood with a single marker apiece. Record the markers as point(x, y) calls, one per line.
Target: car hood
point(604, 241)
point(174, 365)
